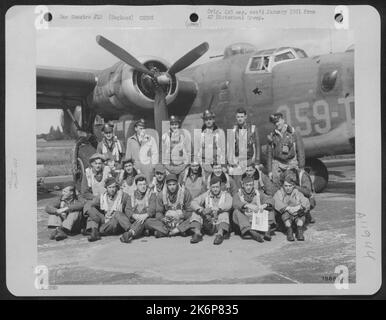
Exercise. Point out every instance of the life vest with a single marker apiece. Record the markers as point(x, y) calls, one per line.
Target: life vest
point(115, 149)
point(283, 144)
point(178, 205)
point(250, 141)
point(255, 200)
point(140, 204)
point(214, 144)
point(116, 206)
point(169, 142)
point(97, 187)
point(209, 201)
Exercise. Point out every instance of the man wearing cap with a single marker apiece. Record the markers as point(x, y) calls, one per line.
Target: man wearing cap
point(158, 183)
point(261, 180)
point(285, 148)
point(227, 182)
point(211, 146)
point(211, 210)
point(175, 145)
point(143, 149)
point(93, 181)
point(139, 210)
point(192, 179)
point(172, 207)
point(292, 205)
point(247, 201)
point(110, 146)
point(65, 214)
point(108, 213)
point(304, 185)
point(247, 132)
point(127, 175)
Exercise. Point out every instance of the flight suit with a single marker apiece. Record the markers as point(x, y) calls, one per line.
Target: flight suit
point(194, 183)
point(282, 201)
point(111, 217)
point(111, 149)
point(242, 216)
point(73, 220)
point(145, 149)
point(174, 163)
point(171, 211)
point(227, 184)
point(285, 150)
point(211, 224)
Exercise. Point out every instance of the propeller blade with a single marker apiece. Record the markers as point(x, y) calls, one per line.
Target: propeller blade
point(160, 109)
point(188, 58)
point(122, 54)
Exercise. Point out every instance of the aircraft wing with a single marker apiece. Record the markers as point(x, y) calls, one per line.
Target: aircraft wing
point(59, 88)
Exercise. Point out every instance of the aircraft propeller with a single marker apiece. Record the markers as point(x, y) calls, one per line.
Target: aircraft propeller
point(159, 79)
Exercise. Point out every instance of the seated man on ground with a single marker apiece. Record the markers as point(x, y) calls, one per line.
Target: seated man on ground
point(108, 214)
point(211, 210)
point(292, 205)
point(139, 210)
point(127, 176)
point(248, 201)
point(172, 209)
point(261, 180)
point(65, 214)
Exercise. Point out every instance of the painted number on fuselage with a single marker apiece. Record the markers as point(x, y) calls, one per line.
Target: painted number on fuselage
point(301, 116)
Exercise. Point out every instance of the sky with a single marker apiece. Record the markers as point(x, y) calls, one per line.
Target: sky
point(77, 48)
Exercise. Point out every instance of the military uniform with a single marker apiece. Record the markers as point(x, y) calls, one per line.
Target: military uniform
point(93, 183)
point(295, 201)
point(175, 155)
point(111, 149)
point(71, 221)
point(109, 216)
point(195, 183)
point(222, 203)
point(285, 150)
point(213, 145)
point(227, 183)
point(126, 179)
point(172, 210)
point(242, 216)
point(139, 147)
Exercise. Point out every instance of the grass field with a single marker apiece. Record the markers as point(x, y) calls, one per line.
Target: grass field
point(53, 158)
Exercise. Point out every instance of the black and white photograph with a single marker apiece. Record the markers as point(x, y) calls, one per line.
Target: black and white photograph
point(194, 155)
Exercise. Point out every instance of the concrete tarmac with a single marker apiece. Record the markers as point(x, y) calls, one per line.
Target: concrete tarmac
point(329, 242)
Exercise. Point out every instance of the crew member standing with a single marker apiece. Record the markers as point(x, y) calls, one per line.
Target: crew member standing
point(175, 148)
point(211, 147)
point(143, 149)
point(251, 136)
point(110, 146)
point(285, 148)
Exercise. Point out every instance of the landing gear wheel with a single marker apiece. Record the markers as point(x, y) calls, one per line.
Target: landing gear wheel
point(318, 173)
point(82, 151)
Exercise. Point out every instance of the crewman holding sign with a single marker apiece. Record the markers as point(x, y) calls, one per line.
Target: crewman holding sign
point(253, 211)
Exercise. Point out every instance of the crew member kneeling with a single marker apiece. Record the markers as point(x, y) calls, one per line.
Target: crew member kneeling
point(108, 214)
point(211, 209)
point(246, 202)
point(292, 205)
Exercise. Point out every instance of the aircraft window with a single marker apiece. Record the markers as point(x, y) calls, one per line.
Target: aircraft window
point(259, 64)
point(301, 53)
point(256, 64)
point(329, 80)
point(284, 56)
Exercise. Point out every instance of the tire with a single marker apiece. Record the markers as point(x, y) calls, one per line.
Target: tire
point(318, 173)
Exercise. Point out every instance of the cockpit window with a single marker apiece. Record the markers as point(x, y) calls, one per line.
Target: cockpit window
point(301, 53)
point(284, 56)
point(259, 64)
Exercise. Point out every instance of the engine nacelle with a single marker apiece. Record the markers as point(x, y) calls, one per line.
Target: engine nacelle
point(121, 89)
